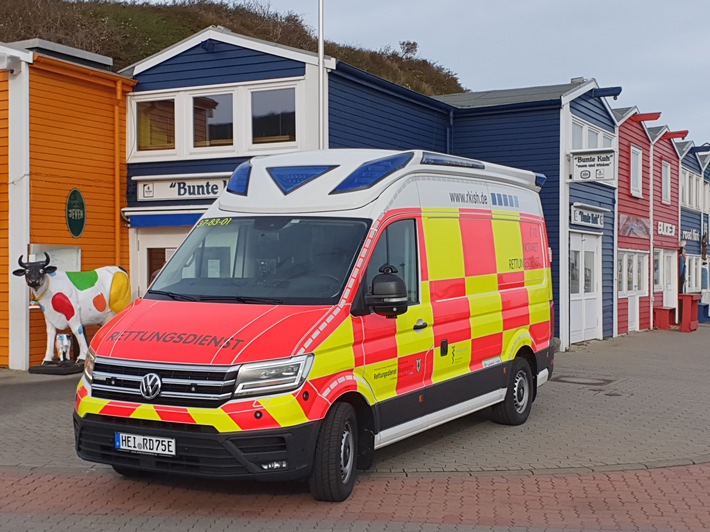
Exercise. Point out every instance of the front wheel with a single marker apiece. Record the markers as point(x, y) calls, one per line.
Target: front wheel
point(515, 408)
point(333, 475)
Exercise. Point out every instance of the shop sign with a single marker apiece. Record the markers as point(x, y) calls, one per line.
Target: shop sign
point(181, 189)
point(690, 235)
point(587, 217)
point(593, 165)
point(666, 229)
point(76, 213)
point(634, 226)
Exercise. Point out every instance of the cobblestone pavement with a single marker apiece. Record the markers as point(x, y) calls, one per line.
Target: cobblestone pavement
point(618, 440)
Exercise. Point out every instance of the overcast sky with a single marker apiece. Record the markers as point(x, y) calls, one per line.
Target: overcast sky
point(657, 50)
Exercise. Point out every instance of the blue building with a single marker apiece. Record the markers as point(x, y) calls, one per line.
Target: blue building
point(206, 104)
point(692, 200)
point(569, 133)
point(216, 99)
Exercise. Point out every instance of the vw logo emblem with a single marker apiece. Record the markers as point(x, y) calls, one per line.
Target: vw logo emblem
point(150, 386)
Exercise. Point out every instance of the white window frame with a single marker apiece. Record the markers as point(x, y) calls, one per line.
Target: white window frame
point(666, 182)
point(636, 172)
point(683, 189)
point(693, 273)
point(658, 266)
point(607, 139)
point(242, 122)
point(640, 258)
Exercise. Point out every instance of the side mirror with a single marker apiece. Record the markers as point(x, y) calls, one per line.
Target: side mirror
point(389, 293)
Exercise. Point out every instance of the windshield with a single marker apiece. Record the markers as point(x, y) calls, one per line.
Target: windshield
point(270, 260)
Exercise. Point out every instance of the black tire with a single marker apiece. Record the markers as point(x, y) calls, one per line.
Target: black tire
point(333, 475)
point(515, 408)
point(129, 472)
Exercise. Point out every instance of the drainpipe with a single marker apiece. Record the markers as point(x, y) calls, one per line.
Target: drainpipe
point(117, 171)
point(450, 136)
point(651, 281)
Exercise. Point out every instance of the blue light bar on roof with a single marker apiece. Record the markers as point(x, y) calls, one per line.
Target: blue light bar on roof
point(441, 159)
point(540, 180)
point(289, 178)
point(371, 173)
point(239, 182)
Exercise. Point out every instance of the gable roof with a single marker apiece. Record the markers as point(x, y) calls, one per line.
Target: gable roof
point(621, 114)
point(219, 33)
point(655, 132)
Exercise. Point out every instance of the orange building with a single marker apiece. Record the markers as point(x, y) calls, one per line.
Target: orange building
point(62, 176)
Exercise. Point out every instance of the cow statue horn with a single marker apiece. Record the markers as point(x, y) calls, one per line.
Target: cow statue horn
point(22, 264)
point(46, 260)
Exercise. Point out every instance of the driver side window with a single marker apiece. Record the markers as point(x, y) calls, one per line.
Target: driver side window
point(397, 247)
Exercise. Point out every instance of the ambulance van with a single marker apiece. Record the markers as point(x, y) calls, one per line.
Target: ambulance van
point(326, 305)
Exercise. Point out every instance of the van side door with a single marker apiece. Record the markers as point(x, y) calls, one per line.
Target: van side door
point(394, 350)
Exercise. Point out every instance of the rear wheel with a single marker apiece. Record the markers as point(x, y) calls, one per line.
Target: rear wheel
point(333, 475)
point(515, 408)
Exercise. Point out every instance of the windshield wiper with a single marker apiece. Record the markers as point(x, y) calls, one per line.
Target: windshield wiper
point(174, 295)
point(242, 299)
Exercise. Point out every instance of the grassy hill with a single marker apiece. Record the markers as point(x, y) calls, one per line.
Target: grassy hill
point(129, 31)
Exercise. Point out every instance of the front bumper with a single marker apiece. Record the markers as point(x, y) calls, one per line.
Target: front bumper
point(201, 450)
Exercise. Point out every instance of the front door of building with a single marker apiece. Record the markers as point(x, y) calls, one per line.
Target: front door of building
point(585, 287)
point(151, 247)
point(670, 278)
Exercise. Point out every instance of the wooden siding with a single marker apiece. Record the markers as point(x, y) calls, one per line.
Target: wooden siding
point(663, 151)
point(691, 219)
point(594, 111)
point(72, 145)
point(214, 62)
point(4, 219)
point(633, 134)
point(361, 115)
point(528, 139)
point(601, 196)
point(690, 161)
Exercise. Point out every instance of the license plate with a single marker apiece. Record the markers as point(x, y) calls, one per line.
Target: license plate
point(137, 443)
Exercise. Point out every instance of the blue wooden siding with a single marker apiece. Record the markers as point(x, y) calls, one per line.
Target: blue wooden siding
point(365, 115)
point(601, 196)
point(594, 111)
point(214, 62)
point(528, 139)
point(691, 220)
point(176, 168)
point(691, 162)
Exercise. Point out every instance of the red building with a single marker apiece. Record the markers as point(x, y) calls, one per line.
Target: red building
point(665, 217)
point(635, 220)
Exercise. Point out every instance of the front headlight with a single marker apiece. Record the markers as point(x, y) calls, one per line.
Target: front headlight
point(89, 365)
point(266, 378)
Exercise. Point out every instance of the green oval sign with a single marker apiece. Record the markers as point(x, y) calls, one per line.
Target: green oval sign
point(76, 213)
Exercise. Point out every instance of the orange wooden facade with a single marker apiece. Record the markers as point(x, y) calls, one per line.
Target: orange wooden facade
point(4, 217)
point(77, 123)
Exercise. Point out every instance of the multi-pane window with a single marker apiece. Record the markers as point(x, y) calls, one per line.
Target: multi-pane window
point(666, 182)
point(224, 121)
point(684, 177)
point(632, 273)
point(636, 167)
point(693, 277)
point(585, 136)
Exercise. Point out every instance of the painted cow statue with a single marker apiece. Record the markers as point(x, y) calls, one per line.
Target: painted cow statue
point(71, 300)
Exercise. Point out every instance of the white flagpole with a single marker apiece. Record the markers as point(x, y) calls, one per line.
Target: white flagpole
point(321, 79)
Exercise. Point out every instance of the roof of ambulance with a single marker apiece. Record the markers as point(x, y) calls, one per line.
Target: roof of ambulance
point(331, 190)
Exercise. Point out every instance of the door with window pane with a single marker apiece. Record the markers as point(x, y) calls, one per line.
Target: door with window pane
point(585, 287)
